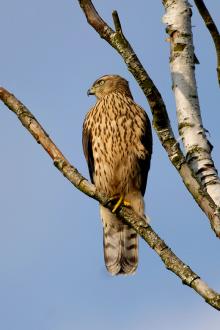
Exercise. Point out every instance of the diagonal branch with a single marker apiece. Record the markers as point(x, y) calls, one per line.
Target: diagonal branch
point(211, 26)
point(161, 120)
point(171, 261)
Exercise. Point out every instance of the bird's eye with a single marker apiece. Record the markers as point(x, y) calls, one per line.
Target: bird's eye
point(101, 82)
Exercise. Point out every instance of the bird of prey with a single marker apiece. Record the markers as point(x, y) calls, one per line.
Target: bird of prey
point(117, 143)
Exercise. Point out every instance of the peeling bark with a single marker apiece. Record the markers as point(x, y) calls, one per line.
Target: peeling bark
point(198, 148)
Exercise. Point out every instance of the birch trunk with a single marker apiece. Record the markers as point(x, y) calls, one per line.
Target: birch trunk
point(182, 65)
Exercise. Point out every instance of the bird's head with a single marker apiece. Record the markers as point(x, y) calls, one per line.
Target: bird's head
point(109, 84)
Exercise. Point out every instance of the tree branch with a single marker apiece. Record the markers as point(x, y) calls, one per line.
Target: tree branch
point(211, 26)
point(161, 120)
point(171, 261)
point(198, 149)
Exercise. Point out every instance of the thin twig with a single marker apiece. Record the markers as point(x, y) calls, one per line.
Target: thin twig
point(171, 261)
point(116, 21)
point(161, 120)
point(211, 26)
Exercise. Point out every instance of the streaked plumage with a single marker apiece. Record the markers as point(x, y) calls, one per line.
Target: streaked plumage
point(117, 144)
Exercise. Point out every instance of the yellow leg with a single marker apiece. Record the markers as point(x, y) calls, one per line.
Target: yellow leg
point(120, 202)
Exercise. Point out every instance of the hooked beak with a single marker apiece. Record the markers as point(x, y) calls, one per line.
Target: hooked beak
point(90, 91)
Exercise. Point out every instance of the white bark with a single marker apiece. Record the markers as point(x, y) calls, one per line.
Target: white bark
point(191, 130)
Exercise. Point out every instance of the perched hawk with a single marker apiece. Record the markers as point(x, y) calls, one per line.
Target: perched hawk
point(117, 144)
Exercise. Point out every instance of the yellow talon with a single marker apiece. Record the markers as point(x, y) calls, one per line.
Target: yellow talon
point(126, 203)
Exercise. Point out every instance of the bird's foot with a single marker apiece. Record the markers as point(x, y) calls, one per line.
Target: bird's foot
point(119, 201)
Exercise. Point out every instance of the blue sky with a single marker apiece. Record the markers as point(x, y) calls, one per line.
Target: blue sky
point(52, 274)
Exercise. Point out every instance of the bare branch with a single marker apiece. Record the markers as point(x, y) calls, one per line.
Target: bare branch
point(161, 121)
point(211, 26)
point(171, 261)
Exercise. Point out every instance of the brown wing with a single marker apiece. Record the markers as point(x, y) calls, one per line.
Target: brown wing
point(87, 148)
point(144, 164)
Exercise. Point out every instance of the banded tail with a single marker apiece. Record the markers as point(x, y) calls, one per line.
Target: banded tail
point(120, 242)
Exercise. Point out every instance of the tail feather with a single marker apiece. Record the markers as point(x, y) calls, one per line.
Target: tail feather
point(120, 244)
point(112, 237)
point(129, 260)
